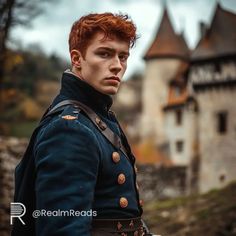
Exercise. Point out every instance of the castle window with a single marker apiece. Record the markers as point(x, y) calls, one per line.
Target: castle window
point(177, 91)
point(178, 117)
point(179, 146)
point(222, 122)
point(217, 67)
point(222, 178)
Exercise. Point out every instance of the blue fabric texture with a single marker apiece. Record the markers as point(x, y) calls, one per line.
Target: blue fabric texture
point(75, 169)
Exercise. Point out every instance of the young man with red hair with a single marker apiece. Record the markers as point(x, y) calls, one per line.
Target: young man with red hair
point(82, 162)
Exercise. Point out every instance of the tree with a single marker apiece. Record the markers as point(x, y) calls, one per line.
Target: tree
point(13, 13)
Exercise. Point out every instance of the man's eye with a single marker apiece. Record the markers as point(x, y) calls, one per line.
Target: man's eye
point(123, 58)
point(104, 54)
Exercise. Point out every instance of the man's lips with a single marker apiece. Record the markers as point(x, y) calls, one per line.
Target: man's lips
point(116, 78)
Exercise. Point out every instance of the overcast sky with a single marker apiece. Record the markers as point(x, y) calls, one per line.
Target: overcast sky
point(51, 29)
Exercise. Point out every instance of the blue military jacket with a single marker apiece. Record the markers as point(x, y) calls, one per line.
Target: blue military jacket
point(78, 169)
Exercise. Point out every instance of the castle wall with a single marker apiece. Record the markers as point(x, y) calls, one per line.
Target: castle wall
point(217, 151)
point(186, 132)
point(155, 92)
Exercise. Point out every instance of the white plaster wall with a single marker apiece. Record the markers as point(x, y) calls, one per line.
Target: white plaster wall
point(186, 132)
point(155, 93)
point(127, 96)
point(217, 152)
point(175, 132)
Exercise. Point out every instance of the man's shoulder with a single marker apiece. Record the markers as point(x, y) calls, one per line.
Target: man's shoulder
point(67, 121)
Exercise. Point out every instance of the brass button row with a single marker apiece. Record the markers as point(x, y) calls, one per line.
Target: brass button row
point(121, 180)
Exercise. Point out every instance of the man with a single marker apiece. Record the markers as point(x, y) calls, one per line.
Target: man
point(81, 158)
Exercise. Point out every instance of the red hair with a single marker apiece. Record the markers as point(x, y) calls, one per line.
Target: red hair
point(112, 25)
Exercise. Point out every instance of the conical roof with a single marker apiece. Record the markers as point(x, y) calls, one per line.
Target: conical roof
point(167, 43)
point(220, 38)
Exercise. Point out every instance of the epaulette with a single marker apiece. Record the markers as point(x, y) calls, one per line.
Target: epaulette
point(69, 117)
point(70, 112)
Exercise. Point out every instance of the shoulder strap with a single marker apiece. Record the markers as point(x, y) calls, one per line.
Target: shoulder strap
point(113, 138)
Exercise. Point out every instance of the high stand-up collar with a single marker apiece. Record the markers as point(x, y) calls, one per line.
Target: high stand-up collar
point(72, 87)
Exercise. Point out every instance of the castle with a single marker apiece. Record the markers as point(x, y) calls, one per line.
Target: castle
point(188, 101)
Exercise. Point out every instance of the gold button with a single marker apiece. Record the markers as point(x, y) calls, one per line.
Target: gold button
point(121, 178)
point(123, 202)
point(141, 202)
point(116, 157)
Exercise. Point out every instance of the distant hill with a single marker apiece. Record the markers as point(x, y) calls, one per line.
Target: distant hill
point(31, 80)
point(211, 214)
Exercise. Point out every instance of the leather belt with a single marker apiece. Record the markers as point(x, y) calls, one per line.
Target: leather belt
point(113, 138)
point(125, 227)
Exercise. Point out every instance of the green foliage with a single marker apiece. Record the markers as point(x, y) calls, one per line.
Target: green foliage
point(203, 214)
point(9, 114)
point(23, 129)
point(33, 66)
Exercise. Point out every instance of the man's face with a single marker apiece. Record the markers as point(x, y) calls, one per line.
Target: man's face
point(104, 63)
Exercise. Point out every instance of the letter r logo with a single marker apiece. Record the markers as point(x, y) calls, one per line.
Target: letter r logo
point(17, 211)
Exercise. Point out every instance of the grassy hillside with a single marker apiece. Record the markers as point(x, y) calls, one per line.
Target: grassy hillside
point(211, 214)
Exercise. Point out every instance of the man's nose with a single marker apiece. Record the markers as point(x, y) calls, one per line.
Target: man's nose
point(116, 65)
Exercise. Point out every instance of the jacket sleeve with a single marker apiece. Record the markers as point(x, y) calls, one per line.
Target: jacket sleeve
point(67, 161)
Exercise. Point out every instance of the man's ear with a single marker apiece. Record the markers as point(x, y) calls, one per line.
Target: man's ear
point(76, 57)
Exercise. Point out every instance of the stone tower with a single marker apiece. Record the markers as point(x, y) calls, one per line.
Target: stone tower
point(166, 54)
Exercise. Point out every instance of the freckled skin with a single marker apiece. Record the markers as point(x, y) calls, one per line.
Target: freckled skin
point(103, 59)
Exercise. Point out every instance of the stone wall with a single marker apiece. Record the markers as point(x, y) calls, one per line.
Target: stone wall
point(158, 182)
point(11, 150)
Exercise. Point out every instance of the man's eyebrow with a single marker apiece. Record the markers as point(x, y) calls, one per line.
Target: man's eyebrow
point(112, 50)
